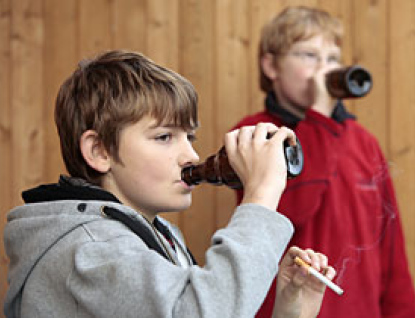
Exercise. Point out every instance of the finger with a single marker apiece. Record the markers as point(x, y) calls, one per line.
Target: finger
point(262, 129)
point(295, 251)
point(291, 137)
point(323, 260)
point(319, 262)
point(284, 133)
point(315, 259)
point(231, 140)
point(245, 136)
point(330, 272)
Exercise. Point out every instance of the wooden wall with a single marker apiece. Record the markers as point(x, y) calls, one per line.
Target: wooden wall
point(214, 44)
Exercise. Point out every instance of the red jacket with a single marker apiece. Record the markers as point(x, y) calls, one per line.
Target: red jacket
point(343, 205)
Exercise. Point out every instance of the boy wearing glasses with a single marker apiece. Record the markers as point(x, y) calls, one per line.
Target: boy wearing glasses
point(343, 203)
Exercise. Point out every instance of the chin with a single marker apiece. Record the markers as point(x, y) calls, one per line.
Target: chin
point(186, 204)
point(180, 206)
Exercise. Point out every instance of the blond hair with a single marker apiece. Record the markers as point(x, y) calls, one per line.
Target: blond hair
point(292, 25)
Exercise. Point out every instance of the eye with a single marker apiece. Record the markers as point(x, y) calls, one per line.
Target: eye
point(191, 137)
point(310, 55)
point(164, 137)
point(333, 59)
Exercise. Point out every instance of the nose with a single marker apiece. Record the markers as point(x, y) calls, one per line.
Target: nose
point(189, 155)
point(327, 62)
point(322, 62)
point(324, 66)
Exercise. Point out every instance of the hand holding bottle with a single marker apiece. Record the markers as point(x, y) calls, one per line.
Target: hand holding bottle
point(259, 161)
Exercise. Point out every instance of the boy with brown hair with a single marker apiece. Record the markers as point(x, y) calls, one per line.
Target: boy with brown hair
point(343, 203)
point(93, 245)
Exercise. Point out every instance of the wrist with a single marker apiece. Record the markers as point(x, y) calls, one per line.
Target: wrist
point(268, 197)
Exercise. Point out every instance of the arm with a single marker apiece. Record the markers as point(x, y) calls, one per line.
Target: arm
point(298, 295)
point(117, 275)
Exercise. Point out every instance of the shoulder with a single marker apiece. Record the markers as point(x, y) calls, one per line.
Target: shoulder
point(361, 134)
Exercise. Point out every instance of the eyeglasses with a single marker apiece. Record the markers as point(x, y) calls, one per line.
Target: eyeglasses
point(312, 58)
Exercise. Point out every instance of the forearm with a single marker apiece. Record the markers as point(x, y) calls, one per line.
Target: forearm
point(243, 260)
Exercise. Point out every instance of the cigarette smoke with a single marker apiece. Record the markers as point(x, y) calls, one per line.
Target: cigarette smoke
point(351, 255)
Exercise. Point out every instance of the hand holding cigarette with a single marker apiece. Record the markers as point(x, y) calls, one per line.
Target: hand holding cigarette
point(300, 285)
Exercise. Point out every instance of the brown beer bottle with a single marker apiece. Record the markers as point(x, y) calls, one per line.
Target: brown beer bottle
point(349, 82)
point(217, 170)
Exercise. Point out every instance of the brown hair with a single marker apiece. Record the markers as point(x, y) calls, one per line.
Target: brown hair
point(111, 91)
point(292, 25)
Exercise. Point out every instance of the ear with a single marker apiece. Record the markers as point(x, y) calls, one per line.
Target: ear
point(94, 152)
point(268, 65)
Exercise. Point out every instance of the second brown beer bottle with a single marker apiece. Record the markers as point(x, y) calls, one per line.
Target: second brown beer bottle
point(217, 170)
point(349, 82)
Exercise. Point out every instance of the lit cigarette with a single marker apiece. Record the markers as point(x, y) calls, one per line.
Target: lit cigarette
point(319, 276)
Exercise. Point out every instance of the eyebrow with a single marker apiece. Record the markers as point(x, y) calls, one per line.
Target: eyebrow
point(161, 124)
point(171, 126)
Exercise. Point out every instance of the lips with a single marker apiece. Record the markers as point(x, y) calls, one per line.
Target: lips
point(185, 185)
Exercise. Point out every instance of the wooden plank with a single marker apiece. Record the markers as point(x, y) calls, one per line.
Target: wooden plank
point(261, 12)
point(401, 114)
point(162, 32)
point(61, 59)
point(130, 21)
point(94, 31)
point(5, 109)
point(24, 102)
point(370, 19)
point(5, 136)
point(232, 81)
point(196, 64)
point(27, 96)
point(309, 3)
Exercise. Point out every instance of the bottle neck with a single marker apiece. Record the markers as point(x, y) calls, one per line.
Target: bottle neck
point(191, 175)
point(215, 170)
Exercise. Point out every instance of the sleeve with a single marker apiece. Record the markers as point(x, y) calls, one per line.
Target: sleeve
point(398, 298)
point(121, 278)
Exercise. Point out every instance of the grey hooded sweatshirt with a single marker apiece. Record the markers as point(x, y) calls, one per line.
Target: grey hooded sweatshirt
point(68, 259)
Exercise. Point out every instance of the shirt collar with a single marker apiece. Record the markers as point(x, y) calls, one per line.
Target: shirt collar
point(340, 114)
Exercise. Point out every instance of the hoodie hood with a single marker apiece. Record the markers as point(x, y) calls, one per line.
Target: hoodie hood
point(54, 210)
point(47, 216)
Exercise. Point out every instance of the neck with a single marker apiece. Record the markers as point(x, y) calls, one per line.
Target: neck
point(293, 109)
point(289, 105)
point(109, 185)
